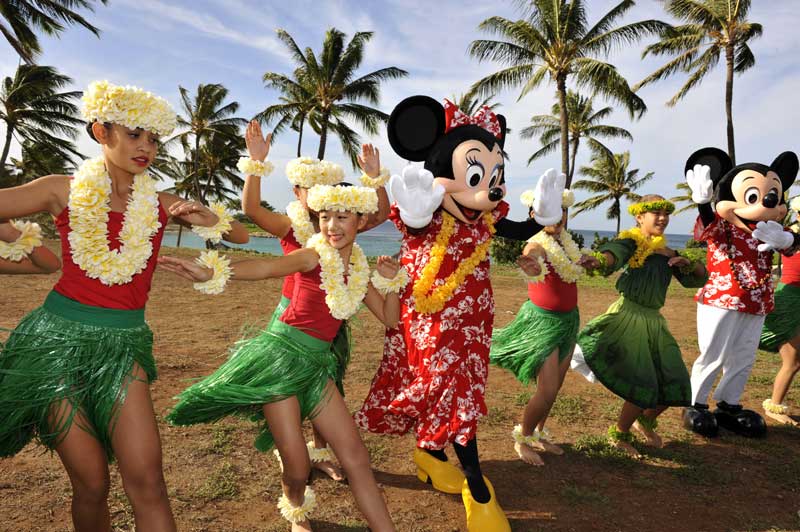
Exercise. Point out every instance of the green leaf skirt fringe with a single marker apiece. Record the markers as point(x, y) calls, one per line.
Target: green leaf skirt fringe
point(631, 351)
point(523, 345)
point(66, 357)
point(279, 363)
point(783, 323)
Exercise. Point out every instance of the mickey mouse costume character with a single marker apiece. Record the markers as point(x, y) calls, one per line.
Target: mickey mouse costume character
point(433, 374)
point(742, 232)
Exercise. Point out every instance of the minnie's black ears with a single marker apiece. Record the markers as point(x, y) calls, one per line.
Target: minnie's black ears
point(716, 159)
point(414, 126)
point(786, 166)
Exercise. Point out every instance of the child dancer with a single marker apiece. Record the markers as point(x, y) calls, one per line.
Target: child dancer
point(629, 348)
point(297, 226)
point(538, 344)
point(287, 373)
point(21, 249)
point(75, 372)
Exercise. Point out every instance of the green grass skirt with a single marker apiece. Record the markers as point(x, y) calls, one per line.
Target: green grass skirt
point(279, 363)
point(523, 345)
point(65, 351)
point(783, 323)
point(631, 351)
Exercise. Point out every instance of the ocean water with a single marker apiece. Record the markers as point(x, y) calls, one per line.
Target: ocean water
point(382, 240)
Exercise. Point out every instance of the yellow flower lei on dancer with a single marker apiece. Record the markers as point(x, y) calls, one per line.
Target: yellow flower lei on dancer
point(301, 222)
point(645, 246)
point(434, 302)
point(563, 258)
point(343, 299)
point(89, 205)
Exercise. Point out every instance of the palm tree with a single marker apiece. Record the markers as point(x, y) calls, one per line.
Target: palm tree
point(297, 104)
point(583, 123)
point(37, 160)
point(21, 17)
point(611, 181)
point(713, 28)
point(555, 41)
point(36, 111)
point(337, 92)
point(470, 103)
point(685, 197)
point(206, 115)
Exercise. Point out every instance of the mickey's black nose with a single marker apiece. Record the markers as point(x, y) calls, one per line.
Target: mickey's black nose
point(769, 201)
point(496, 194)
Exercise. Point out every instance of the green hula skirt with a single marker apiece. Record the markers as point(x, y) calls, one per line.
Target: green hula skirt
point(631, 351)
point(68, 353)
point(524, 344)
point(341, 345)
point(279, 363)
point(783, 323)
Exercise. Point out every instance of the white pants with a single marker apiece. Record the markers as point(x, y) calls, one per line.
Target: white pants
point(728, 340)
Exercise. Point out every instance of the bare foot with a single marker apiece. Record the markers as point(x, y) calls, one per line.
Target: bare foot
point(548, 447)
point(651, 438)
point(330, 469)
point(784, 419)
point(528, 455)
point(627, 448)
point(304, 526)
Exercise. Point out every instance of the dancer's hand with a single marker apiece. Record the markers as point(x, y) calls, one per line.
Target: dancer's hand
point(547, 198)
point(588, 262)
point(370, 160)
point(257, 144)
point(700, 183)
point(679, 261)
point(387, 266)
point(188, 269)
point(8, 233)
point(773, 235)
point(530, 265)
point(416, 196)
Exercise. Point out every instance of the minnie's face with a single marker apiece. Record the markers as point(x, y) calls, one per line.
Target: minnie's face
point(757, 197)
point(479, 181)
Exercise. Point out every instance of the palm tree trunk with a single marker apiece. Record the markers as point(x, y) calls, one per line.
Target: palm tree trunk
point(180, 234)
point(619, 219)
point(196, 179)
point(562, 101)
point(323, 135)
point(575, 143)
point(6, 148)
point(729, 101)
point(300, 137)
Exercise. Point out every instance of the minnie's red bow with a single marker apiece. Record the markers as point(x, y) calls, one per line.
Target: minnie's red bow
point(485, 118)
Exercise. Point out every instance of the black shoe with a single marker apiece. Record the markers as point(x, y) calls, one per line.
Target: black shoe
point(699, 420)
point(743, 422)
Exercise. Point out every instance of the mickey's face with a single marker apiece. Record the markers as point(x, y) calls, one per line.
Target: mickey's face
point(479, 181)
point(756, 197)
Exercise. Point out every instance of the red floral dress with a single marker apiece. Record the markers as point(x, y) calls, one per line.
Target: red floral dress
point(433, 374)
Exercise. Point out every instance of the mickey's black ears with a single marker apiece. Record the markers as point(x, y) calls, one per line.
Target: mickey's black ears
point(786, 166)
point(716, 159)
point(414, 126)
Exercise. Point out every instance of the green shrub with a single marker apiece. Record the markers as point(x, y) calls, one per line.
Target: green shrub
point(505, 250)
point(600, 240)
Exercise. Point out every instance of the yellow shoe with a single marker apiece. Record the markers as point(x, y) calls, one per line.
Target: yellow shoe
point(443, 476)
point(487, 517)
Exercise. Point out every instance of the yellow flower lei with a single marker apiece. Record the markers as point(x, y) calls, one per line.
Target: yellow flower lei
point(651, 206)
point(215, 232)
point(562, 258)
point(30, 238)
point(89, 204)
point(434, 302)
point(645, 246)
point(301, 222)
point(342, 299)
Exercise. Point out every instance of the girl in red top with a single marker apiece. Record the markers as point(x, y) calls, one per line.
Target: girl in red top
point(287, 373)
point(298, 225)
point(75, 372)
point(538, 344)
point(21, 250)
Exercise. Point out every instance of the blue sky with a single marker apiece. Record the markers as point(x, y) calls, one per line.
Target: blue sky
point(160, 44)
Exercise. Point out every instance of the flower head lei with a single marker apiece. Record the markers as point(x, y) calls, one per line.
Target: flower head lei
point(362, 200)
point(651, 206)
point(567, 198)
point(129, 106)
point(306, 172)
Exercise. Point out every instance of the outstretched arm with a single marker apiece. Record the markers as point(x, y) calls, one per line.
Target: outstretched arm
point(187, 211)
point(39, 260)
point(272, 222)
point(46, 194)
point(301, 260)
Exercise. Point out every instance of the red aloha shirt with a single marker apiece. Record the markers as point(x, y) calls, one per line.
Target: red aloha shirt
point(750, 290)
point(432, 377)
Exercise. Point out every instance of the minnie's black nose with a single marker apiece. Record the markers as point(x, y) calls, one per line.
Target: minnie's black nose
point(496, 194)
point(769, 201)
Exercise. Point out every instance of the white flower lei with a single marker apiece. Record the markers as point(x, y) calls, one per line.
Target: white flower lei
point(363, 200)
point(306, 172)
point(376, 182)
point(394, 285)
point(89, 204)
point(215, 232)
point(342, 299)
point(298, 514)
point(249, 166)
point(562, 258)
point(301, 222)
point(222, 272)
point(130, 106)
point(30, 238)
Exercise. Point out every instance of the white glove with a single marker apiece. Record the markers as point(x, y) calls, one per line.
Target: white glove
point(416, 196)
point(700, 183)
point(547, 198)
point(773, 235)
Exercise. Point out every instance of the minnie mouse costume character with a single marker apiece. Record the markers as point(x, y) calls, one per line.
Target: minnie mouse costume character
point(435, 363)
point(742, 232)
